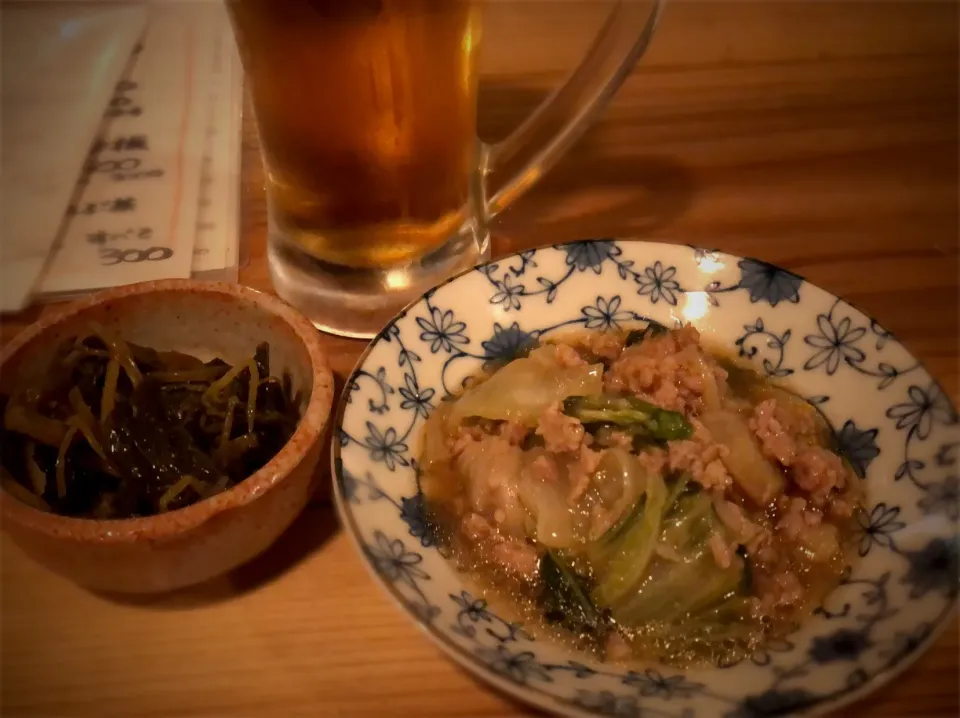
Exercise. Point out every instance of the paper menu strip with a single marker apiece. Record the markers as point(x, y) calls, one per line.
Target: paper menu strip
point(135, 217)
point(215, 246)
point(235, 247)
point(59, 68)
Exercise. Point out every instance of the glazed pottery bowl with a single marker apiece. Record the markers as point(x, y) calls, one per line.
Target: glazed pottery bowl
point(890, 417)
point(189, 545)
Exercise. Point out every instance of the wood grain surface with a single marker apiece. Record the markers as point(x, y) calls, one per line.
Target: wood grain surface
point(822, 136)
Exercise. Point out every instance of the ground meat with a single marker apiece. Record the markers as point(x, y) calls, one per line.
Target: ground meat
point(602, 345)
point(544, 468)
point(513, 432)
point(702, 457)
point(731, 516)
point(652, 460)
point(756, 539)
point(559, 432)
point(760, 548)
point(590, 459)
point(841, 507)
point(491, 468)
point(797, 419)
point(517, 558)
point(714, 475)
point(776, 591)
point(787, 589)
point(802, 524)
point(476, 527)
point(775, 442)
point(794, 517)
point(613, 439)
point(667, 370)
point(466, 435)
point(567, 356)
point(819, 471)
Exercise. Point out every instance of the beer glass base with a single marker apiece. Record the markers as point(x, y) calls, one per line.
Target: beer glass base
point(357, 303)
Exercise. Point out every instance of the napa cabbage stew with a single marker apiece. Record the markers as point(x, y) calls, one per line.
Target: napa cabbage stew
point(641, 497)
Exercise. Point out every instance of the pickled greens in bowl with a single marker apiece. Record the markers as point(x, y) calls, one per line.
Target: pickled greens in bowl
point(115, 430)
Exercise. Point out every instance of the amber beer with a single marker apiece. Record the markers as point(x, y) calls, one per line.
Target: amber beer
point(366, 111)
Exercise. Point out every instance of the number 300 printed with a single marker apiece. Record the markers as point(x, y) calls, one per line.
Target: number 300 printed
point(132, 256)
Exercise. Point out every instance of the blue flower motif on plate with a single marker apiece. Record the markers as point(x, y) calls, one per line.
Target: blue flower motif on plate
point(834, 343)
point(842, 645)
point(391, 560)
point(943, 498)
point(605, 315)
point(879, 526)
point(521, 667)
point(474, 609)
point(508, 294)
point(413, 512)
point(658, 283)
point(589, 255)
point(386, 447)
point(441, 331)
point(508, 343)
point(934, 568)
point(768, 283)
point(858, 446)
point(415, 398)
point(652, 683)
point(923, 410)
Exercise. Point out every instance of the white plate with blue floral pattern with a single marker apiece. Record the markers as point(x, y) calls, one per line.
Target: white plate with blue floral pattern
point(892, 421)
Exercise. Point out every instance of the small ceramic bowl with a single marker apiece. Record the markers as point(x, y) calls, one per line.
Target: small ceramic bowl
point(890, 417)
point(189, 545)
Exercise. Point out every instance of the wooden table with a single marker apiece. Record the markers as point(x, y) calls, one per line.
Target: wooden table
point(822, 137)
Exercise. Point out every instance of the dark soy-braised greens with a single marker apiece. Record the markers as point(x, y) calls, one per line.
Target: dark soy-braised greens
point(116, 430)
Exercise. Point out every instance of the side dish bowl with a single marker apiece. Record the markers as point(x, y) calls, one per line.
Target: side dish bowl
point(890, 419)
point(188, 545)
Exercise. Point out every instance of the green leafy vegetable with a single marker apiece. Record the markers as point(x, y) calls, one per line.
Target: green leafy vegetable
point(682, 485)
point(638, 417)
point(653, 329)
point(690, 523)
point(627, 520)
point(549, 510)
point(635, 548)
point(522, 389)
point(673, 591)
point(564, 599)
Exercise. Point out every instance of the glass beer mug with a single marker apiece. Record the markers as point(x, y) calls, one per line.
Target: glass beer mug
point(377, 186)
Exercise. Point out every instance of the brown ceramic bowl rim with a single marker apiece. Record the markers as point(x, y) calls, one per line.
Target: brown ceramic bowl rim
point(163, 526)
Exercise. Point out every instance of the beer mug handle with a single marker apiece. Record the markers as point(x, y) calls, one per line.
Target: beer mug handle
point(512, 166)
